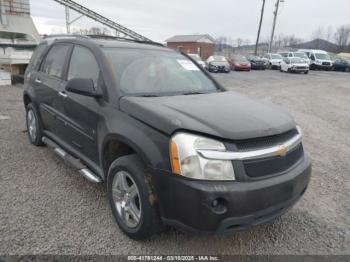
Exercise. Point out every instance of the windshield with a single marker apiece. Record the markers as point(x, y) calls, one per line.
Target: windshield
point(322, 56)
point(219, 59)
point(254, 58)
point(276, 56)
point(143, 72)
point(301, 55)
point(297, 60)
point(240, 59)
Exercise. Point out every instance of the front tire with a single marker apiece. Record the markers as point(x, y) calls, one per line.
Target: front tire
point(34, 125)
point(131, 200)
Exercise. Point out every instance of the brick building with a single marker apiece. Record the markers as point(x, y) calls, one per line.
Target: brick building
point(203, 45)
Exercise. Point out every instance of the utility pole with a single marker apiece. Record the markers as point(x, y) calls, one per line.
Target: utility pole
point(274, 23)
point(67, 20)
point(261, 19)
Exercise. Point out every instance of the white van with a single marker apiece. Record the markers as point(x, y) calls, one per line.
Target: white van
point(319, 59)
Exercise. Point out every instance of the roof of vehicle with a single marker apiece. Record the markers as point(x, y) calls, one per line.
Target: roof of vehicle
point(313, 51)
point(107, 41)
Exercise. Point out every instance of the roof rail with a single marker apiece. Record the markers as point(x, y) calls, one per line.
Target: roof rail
point(124, 39)
point(65, 36)
point(55, 36)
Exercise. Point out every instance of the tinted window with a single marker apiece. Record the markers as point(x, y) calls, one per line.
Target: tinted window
point(55, 60)
point(83, 65)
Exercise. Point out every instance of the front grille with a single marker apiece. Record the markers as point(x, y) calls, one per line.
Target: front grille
point(263, 142)
point(326, 63)
point(272, 165)
point(301, 67)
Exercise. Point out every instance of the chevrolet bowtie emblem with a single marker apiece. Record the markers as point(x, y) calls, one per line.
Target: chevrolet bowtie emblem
point(282, 151)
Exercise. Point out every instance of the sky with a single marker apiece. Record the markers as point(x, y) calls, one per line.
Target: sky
point(161, 19)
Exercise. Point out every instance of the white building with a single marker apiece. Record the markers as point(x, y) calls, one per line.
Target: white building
point(18, 35)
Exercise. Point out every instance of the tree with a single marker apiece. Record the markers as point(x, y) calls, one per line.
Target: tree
point(239, 42)
point(329, 34)
point(342, 37)
point(318, 33)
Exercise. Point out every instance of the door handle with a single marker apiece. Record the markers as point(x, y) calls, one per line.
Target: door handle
point(37, 80)
point(63, 94)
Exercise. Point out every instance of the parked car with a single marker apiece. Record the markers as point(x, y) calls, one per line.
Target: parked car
point(198, 59)
point(273, 61)
point(341, 64)
point(239, 63)
point(295, 65)
point(319, 59)
point(257, 62)
point(217, 64)
point(302, 55)
point(173, 146)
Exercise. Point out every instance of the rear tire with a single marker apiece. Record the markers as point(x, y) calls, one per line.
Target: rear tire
point(137, 216)
point(34, 125)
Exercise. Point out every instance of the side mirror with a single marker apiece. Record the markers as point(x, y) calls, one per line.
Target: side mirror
point(82, 86)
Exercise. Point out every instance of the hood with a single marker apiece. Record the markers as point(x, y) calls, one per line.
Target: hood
point(226, 115)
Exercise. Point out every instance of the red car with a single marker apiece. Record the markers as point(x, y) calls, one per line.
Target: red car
point(239, 63)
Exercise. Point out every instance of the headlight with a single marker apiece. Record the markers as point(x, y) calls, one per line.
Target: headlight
point(187, 162)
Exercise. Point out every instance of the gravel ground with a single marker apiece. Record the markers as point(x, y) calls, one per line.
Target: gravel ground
point(47, 208)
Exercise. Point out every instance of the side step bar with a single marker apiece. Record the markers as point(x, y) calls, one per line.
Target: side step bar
point(75, 162)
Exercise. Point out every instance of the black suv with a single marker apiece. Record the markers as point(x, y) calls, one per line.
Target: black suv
point(173, 146)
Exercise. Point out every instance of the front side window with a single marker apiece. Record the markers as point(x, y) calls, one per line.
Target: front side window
point(55, 60)
point(154, 72)
point(83, 65)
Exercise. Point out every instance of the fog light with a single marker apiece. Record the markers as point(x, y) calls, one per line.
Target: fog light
point(219, 206)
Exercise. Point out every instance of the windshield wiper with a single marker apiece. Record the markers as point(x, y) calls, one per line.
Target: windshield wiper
point(193, 93)
point(149, 95)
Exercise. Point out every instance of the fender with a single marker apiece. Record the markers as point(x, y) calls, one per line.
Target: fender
point(151, 145)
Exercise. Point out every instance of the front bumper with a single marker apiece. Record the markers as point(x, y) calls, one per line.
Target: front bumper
point(322, 67)
point(188, 204)
point(258, 66)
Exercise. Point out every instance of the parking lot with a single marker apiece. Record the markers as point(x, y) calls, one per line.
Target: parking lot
point(47, 208)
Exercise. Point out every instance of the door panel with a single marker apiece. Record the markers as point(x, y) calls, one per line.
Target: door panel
point(49, 83)
point(81, 113)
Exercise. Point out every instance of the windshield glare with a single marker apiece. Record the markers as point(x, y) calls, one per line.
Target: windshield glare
point(322, 56)
point(152, 72)
point(195, 57)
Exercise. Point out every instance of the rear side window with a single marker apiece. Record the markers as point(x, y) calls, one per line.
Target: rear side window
point(55, 60)
point(83, 65)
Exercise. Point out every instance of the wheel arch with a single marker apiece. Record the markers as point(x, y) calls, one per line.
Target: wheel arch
point(115, 146)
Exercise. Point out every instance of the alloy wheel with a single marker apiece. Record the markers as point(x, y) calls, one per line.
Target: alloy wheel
point(32, 126)
point(126, 197)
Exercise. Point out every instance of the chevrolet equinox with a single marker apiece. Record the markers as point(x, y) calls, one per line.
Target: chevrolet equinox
point(171, 144)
